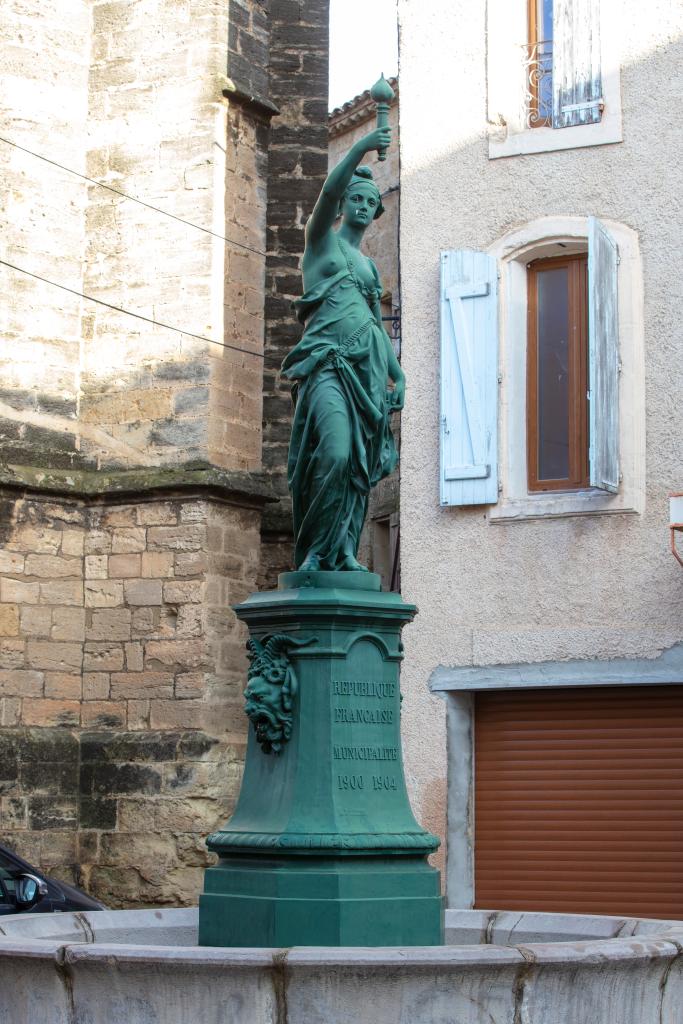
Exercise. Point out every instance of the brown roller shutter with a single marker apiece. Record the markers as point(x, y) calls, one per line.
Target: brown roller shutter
point(579, 800)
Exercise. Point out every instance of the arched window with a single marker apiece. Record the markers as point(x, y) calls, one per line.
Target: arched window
point(542, 383)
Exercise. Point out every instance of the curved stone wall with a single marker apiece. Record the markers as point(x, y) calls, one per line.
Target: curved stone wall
point(143, 967)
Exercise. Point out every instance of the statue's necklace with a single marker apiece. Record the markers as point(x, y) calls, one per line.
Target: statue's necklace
point(367, 291)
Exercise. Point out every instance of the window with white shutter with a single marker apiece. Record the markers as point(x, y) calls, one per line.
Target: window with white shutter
point(576, 77)
point(487, 391)
point(563, 77)
point(469, 379)
point(603, 357)
point(552, 65)
point(573, 368)
point(572, 403)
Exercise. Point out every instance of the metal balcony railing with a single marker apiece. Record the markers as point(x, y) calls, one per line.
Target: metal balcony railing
point(538, 79)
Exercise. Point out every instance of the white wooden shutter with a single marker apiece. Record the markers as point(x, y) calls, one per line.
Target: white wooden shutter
point(469, 379)
point(603, 357)
point(577, 82)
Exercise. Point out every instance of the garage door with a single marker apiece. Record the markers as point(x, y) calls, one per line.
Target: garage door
point(579, 800)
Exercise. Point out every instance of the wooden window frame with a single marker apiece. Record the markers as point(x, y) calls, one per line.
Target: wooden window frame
point(579, 471)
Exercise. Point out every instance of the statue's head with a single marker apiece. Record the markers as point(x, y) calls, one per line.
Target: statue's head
point(361, 193)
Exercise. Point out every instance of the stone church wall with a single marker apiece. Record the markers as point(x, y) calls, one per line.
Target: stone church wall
point(131, 488)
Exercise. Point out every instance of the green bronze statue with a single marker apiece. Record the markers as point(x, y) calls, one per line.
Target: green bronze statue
point(341, 443)
point(323, 848)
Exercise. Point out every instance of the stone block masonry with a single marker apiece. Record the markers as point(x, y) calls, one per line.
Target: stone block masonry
point(121, 676)
point(131, 481)
point(297, 168)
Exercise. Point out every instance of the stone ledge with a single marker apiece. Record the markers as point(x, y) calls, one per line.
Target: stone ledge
point(260, 104)
point(168, 936)
point(193, 478)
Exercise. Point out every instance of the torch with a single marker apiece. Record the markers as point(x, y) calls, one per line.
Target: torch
point(382, 94)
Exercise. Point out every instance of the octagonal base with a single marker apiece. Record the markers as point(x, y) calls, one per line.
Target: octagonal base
point(354, 901)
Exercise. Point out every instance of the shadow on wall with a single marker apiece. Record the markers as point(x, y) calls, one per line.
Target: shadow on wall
point(146, 417)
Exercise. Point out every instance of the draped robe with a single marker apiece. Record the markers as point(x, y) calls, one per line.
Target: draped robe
point(341, 443)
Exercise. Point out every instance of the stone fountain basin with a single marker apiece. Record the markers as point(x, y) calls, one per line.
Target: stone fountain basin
point(144, 967)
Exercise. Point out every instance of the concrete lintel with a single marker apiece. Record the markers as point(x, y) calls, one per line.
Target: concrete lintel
point(665, 669)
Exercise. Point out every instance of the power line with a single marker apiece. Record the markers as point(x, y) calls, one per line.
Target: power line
point(134, 199)
point(129, 312)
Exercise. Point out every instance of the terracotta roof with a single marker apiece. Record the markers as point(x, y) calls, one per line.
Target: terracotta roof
point(360, 108)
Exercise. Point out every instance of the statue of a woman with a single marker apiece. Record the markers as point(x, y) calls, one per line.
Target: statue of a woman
point(341, 442)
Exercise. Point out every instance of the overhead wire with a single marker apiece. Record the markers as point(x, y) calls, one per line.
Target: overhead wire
point(271, 257)
point(156, 209)
point(130, 312)
point(133, 199)
point(164, 213)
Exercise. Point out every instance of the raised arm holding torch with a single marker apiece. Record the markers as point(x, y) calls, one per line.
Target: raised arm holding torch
point(382, 94)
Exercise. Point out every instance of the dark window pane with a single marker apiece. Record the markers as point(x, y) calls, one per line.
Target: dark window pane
point(545, 58)
point(553, 374)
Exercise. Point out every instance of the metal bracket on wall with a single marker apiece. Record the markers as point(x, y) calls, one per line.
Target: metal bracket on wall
point(675, 522)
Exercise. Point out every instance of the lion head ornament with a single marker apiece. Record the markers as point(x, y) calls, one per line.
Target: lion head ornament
point(271, 689)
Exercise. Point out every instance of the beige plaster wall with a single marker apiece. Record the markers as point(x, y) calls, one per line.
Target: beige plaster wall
point(598, 587)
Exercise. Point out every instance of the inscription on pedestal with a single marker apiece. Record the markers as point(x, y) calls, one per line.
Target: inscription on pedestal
point(360, 688)
point(343, 753)
point(364, 706)
point(363, 716)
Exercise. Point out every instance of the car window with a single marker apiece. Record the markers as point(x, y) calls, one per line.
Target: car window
point(8, 867)
point(9, 871)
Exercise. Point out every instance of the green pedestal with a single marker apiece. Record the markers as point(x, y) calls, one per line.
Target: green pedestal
point(323, 848)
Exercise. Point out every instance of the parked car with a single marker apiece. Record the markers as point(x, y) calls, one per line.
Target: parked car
point(25, 889)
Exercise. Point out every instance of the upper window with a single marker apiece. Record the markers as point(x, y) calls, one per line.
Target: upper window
point(539, 64)
point(562, 62)
point(552, 65)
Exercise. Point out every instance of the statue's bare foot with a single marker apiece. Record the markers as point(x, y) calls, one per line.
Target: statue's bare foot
point(311, 563)
point(351, 564)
